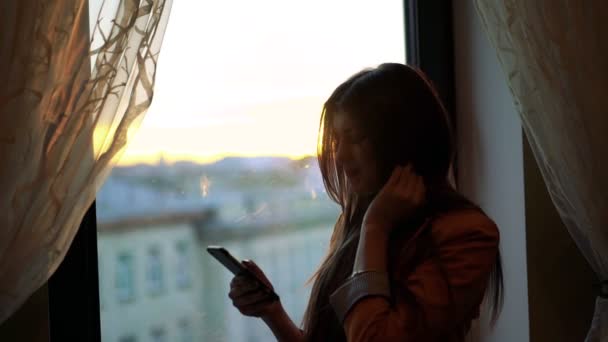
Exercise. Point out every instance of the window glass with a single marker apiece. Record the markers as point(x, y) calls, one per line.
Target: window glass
point(226, 155)
point(125, 284)
point(128, 339)
point(154, 271)
point(183, 274)
point(158, 335)
point(185, 331)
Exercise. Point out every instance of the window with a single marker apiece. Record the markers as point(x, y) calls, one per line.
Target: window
point(129, 338)
point(336, 20)
point(183, 276)
point(154, 271)
point(226, 156)
point(125, 284)
point(158, 335)
point(185, 331)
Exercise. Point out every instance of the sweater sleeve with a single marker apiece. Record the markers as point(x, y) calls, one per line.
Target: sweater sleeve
point(438, 295)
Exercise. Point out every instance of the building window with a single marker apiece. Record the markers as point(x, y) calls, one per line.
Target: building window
point(185, 331)
point(184, 276)
point(154, 271)
point(129, 338)
point(158, 335)
point(125, 279)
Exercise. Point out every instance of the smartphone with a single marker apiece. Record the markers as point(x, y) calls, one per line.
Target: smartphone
point(235, 266)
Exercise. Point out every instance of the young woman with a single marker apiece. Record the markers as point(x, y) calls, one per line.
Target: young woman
point(410, 259)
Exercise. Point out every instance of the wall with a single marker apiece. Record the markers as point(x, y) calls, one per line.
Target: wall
point(490, 162)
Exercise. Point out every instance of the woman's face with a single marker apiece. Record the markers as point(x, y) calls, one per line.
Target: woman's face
point(354, 153)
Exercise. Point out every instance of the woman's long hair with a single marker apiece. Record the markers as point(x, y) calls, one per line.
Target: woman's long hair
point(405, 121)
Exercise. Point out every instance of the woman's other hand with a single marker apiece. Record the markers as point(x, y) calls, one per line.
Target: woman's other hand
point(254, 297)
point(398, 199)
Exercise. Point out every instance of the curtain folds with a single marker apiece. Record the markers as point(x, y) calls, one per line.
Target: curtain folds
point(554, 54)
point(73, 92)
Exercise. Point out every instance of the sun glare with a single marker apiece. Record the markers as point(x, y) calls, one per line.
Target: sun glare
point(244, 88)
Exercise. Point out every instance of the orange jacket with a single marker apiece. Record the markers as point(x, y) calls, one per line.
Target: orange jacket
point(436, 292)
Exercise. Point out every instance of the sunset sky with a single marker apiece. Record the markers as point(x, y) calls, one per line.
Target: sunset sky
point(249, 77)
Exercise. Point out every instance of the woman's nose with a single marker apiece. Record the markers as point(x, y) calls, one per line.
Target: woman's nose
point(343, 154)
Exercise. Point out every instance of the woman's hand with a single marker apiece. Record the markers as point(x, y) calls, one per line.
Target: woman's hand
point(398, 199)
point(251, 297)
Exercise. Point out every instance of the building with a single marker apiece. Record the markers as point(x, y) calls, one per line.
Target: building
point(148, 283)
point(157, 282)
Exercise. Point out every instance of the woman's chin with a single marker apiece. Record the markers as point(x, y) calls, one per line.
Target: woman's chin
point(356, 188)
point(362, 190)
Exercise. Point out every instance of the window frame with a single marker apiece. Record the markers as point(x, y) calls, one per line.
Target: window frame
point(430, 46)
point(74, 303)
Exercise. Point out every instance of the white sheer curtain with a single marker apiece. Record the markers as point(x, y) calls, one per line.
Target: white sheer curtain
point(555, 56)
point(73, 91)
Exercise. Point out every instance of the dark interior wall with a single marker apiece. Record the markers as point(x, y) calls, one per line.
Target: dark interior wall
point(560, 293)
point(31, 322)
